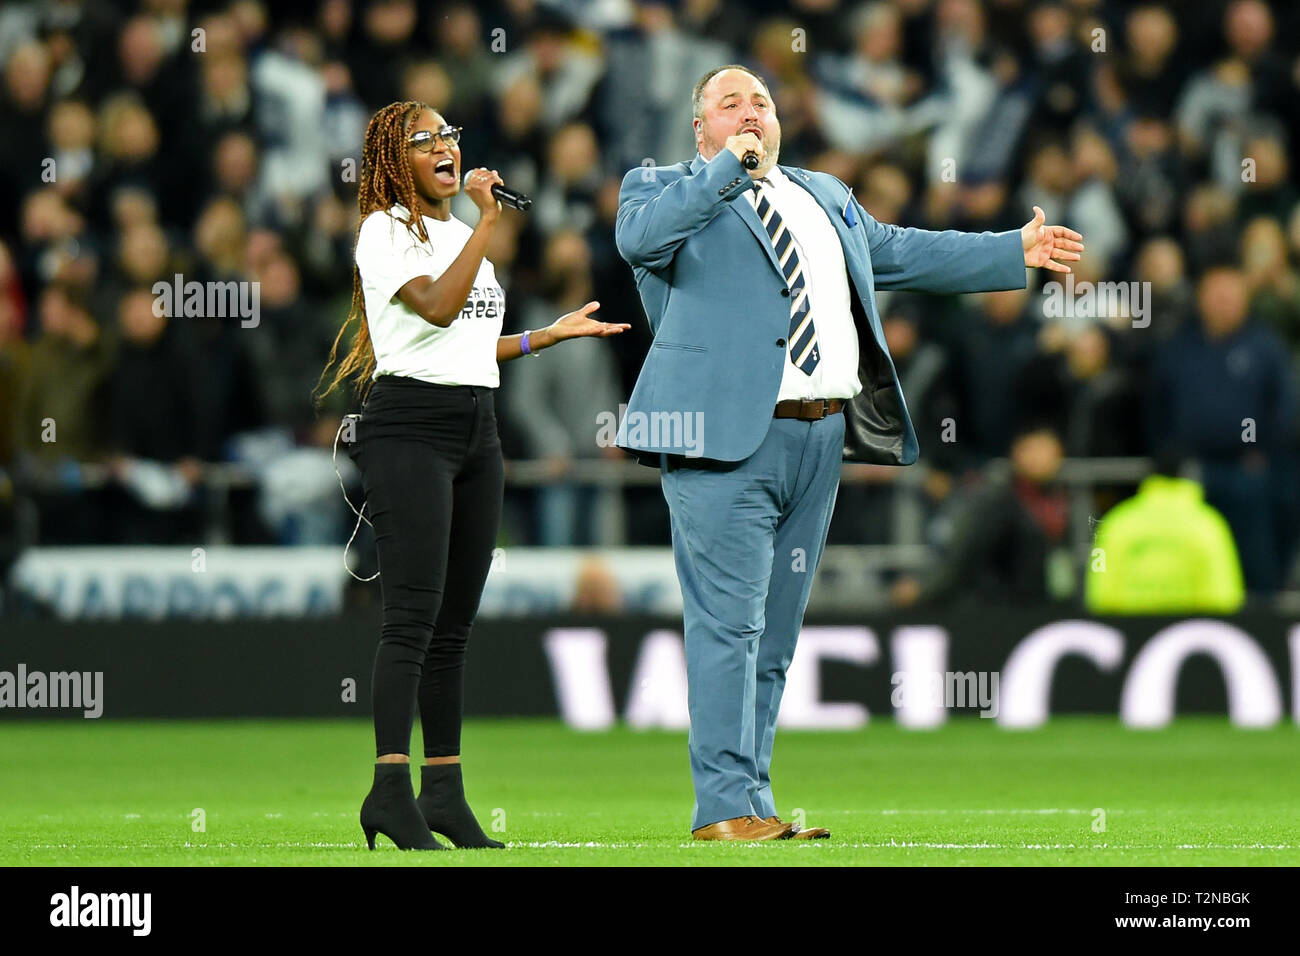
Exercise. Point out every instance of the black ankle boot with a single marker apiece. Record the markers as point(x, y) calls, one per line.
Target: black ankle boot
point(442, 801)
point(390, 809)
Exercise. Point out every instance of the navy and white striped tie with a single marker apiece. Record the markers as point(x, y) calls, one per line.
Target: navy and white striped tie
point(803, 334)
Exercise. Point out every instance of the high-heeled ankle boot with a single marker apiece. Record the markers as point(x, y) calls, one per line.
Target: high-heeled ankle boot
point(390, 809)
point(442, 801)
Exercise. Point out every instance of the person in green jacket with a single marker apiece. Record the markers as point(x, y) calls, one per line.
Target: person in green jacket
point(1164, 551)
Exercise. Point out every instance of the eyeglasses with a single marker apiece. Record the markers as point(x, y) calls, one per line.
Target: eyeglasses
point(425, 140)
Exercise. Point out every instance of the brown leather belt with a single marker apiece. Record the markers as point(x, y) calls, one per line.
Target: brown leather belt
point(808, 409)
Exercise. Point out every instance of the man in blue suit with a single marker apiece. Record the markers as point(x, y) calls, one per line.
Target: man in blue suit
point(768, 368)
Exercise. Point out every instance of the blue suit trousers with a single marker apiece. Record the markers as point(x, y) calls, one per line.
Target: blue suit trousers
point(747, 538)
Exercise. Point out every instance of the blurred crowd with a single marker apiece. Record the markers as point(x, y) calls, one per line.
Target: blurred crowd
point(218, 141)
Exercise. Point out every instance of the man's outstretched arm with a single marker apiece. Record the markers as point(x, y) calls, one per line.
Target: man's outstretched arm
point(922, 260)
point(654, 219)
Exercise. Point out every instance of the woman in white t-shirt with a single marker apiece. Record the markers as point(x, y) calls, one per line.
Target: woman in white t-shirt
point(428, 312)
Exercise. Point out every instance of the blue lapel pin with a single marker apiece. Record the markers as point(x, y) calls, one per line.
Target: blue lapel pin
point(850, 215)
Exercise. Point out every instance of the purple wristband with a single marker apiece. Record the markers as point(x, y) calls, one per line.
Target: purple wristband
point(523, 343)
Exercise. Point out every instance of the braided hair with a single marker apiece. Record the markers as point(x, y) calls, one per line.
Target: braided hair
point(386, 180)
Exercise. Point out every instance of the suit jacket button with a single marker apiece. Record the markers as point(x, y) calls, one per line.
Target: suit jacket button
point(785, 293)
point(781, 342)
point(722, 191)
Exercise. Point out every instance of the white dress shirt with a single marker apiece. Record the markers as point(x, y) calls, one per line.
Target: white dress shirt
point(824, 273)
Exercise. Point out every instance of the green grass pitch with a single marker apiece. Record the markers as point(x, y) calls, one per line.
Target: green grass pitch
point(286, 793)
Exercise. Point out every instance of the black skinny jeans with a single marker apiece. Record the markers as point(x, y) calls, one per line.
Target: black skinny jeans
point(430, 462)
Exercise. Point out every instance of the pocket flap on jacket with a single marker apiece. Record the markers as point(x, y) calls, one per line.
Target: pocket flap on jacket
point(678, 345)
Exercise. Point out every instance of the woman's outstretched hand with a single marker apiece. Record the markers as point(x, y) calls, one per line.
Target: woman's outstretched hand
point(580, 323)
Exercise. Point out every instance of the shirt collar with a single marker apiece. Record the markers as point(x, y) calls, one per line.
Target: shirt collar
point(774, 180)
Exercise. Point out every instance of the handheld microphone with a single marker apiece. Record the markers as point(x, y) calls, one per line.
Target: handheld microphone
point(750, 161)
point(507, 196)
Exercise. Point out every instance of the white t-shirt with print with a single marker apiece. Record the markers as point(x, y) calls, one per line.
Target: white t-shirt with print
point(389, 256)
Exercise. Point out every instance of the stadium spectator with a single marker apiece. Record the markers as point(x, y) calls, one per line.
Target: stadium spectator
point(289, 93)
point(1222, 393)
point(427, 81)
point(60, 425)
point(924, 369)
point(156, 421)
point(334, 24)
point(555, 405)
point(1164, 551)
point(220, 236)
point(1265, 188)
point(225, 100)
point(658, 43)
point(865, 96)
point(1150, 71)
point(131, 144)
point(80, 40)
point(344, 117)
point(383, 50)
point(15, 358)
point(1161, 267)
point(562, 63)
point(1210, 227)
point(160, 79)
point(70, 363)
point(71, 133)
point(1272, 280)
point(1095, 406)
point(22, 115)
point(863, 514)
point(462, 53)
point(566, 196)
point(994, 348)
point(235, 174)
point(1002, 533)
point(517, 143)
point(1152, 175)
point(596, 590)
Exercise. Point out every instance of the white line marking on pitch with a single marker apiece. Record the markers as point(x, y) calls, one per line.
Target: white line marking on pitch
point(1072, 846)
point(694, 844)
point(1045, 810)
point(893, 844)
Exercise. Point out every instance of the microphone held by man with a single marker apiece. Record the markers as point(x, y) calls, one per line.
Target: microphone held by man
point(748, 147)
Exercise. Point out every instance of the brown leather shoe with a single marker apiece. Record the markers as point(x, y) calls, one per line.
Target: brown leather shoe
point(812, 833)
point(745, 828)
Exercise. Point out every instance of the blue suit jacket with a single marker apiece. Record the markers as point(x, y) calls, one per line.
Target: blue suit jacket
point(719, 308)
